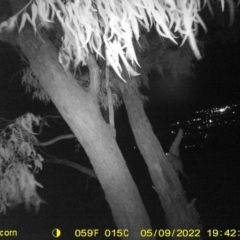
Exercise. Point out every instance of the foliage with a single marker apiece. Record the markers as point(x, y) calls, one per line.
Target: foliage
point(87, 25)
point(104, 101)
point(17, 159)
point(178, 62)
point(116, 91)
point(163, 56)
point(32, 83)
point(90, 25)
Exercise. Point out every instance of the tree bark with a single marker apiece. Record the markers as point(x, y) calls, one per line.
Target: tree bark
point(81, 112)
point(179, 213)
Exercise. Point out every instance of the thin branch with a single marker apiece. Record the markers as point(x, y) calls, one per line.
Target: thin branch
point(71, 164)
point(94, 73)
point(174, 149)
point(52, 141)
point(109, 97)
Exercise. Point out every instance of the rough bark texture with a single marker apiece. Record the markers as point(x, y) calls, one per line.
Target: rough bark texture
point(81, 112)
point(179, 213)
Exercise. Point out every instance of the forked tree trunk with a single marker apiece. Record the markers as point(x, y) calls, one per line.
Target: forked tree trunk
point(179, 213)
point(81, 112)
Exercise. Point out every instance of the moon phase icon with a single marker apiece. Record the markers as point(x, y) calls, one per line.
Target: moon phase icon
point(56, 233)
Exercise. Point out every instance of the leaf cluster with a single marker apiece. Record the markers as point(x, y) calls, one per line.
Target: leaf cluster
point(18, 161)
point(88, 25)
point(32, 84)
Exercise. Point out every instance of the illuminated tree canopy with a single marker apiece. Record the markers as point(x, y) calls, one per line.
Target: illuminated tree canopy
point(90, 25)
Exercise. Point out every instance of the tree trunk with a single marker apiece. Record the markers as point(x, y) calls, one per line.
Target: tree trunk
point(179, 213)
point(81, 112)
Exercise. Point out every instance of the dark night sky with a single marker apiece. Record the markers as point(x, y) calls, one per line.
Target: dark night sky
point(216, 83)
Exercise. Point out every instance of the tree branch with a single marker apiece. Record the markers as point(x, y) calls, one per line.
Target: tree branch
point(94, 74)
point(52, 141)
point(174, 149)
point(71, 164)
